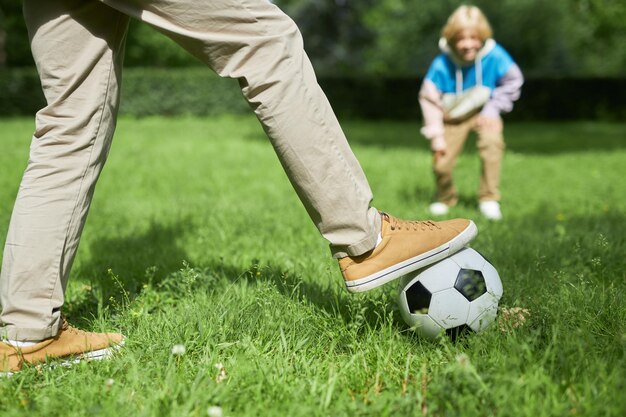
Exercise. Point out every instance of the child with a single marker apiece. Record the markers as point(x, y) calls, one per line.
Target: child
point(466, 89)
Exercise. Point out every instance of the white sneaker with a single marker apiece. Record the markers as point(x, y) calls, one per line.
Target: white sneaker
point(439, 209)
point(490, 209)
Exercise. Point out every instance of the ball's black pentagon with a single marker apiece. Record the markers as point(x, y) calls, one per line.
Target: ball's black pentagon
point(470, 283)
point(418, 298)
point(459, 331)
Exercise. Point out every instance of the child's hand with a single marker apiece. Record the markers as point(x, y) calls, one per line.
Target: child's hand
point(492, 124)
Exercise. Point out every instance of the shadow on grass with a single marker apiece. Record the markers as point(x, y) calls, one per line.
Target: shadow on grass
point(558, 241)
point(555, 138)
point(422, 196)
point(528, 138)
point(123, 266)
point(530, 251)
point(120, 267)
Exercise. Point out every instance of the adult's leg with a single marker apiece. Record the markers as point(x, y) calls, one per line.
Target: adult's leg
point(78, 48)
point(455, 136)
point(491, 149)
point(255, 42)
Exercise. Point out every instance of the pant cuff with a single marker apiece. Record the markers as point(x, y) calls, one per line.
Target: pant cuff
point(359, 248)
point(23, 334)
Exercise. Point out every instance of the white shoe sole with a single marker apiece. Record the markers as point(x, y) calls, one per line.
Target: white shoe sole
point(396, 271)
point(95, 355)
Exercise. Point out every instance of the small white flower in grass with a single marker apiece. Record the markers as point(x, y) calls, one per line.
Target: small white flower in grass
point(214, 411)
point(463, 360)
point(109, 383)
point(178, 350)
point(513, 317)
point(221, 372)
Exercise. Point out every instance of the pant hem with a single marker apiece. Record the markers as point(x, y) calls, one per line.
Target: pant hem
point(364, 245)
point(22, 334)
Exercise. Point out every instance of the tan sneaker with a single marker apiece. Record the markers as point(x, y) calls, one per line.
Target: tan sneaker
point(71, 345)
point(405, 247)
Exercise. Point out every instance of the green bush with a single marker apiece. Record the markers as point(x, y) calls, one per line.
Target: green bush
point(145, 92)
point(20, 92)
point(200, 92)
point(192, 91)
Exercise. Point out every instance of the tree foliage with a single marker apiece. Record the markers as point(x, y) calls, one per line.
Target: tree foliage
point(556, 38)
point(562, 38)
point(14, 44)
point(147, 47)
point(335, 36)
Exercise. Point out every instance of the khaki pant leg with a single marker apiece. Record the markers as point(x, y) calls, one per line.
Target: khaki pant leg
point(255, 42)
point(78, 48)
point(455, 136)
point(491, 149)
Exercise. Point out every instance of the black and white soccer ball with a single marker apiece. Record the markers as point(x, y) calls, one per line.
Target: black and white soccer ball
point(458, 293)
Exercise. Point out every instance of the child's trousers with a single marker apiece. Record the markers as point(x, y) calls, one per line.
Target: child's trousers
point(78, 47)
point(491, 149)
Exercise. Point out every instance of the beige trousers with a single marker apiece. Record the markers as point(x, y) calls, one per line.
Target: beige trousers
point(490, 148)
point(78, 46)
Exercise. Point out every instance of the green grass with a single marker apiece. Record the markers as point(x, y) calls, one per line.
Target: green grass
point(195, 237)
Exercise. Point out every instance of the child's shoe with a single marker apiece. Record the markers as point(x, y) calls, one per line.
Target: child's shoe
point(439, 209)
point(491, 210)
point(71, 345)
point(405, 246)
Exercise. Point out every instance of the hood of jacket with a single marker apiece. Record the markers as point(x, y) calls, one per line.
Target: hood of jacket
point(448, 50)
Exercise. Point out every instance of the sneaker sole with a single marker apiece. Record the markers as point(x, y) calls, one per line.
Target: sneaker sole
point(96, 355)
point(396, 271)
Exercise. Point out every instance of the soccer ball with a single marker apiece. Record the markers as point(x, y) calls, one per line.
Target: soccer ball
point(455, 294)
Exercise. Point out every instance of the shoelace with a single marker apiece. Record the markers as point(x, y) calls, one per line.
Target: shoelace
point(66, 327)
point(410, 224)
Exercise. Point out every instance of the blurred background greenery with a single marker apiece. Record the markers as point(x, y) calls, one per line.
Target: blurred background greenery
point(380, 41)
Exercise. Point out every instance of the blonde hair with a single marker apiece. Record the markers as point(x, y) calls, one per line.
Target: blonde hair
point(467, 17)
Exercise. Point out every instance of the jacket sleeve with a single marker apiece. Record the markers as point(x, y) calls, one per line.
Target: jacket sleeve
point(432, 112)
point(508, 90)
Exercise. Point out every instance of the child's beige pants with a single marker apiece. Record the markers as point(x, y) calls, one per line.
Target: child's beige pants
point(490, 147)
point(78, 46)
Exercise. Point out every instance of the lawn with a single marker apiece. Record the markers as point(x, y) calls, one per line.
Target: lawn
point(196, 239)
